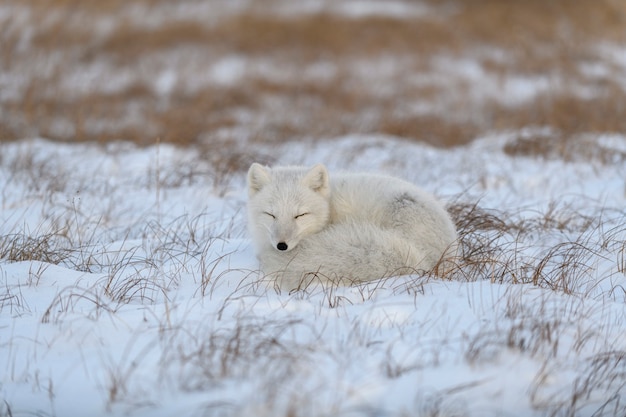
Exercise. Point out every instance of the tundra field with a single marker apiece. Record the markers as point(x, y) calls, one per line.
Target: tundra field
point(128, 284)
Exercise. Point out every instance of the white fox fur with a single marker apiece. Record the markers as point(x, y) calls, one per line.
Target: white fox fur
point(349, 228)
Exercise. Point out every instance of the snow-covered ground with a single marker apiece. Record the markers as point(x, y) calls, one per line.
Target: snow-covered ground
point(128, 286)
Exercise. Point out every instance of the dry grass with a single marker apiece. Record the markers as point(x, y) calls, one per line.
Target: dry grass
point(504, 247)
point(282, 348)
point(61, 40)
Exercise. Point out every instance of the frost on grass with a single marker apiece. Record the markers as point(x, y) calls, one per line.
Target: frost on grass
point(135, 291)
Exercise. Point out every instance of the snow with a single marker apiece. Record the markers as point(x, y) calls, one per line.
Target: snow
point(128, 284)
point(229, 70)
point(360, 9)
point(149, 301)
point(357, 9)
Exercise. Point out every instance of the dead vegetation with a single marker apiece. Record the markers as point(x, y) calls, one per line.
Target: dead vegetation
point(99, 71)
point(279, 349)
point(510, 247)
point(146, 70)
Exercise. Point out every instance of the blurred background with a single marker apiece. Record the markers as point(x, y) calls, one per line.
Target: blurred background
point(232, 72)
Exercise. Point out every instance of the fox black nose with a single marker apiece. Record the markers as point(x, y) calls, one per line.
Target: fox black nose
point(282, 246)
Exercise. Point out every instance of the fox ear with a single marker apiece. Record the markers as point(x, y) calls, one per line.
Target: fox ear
point(317, 180)
point(258, 177)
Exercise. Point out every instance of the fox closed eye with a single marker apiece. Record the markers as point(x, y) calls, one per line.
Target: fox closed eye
point(269, 214)
point(301, 215)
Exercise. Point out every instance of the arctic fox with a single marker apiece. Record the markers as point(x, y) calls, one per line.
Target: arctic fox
point(349, 228)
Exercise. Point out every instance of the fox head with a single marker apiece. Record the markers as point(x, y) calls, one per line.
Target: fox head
point(287, 204)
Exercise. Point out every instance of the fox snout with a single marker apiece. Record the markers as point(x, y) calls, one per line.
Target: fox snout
point(284, 235)
point(284, 245)
point(283, 242)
